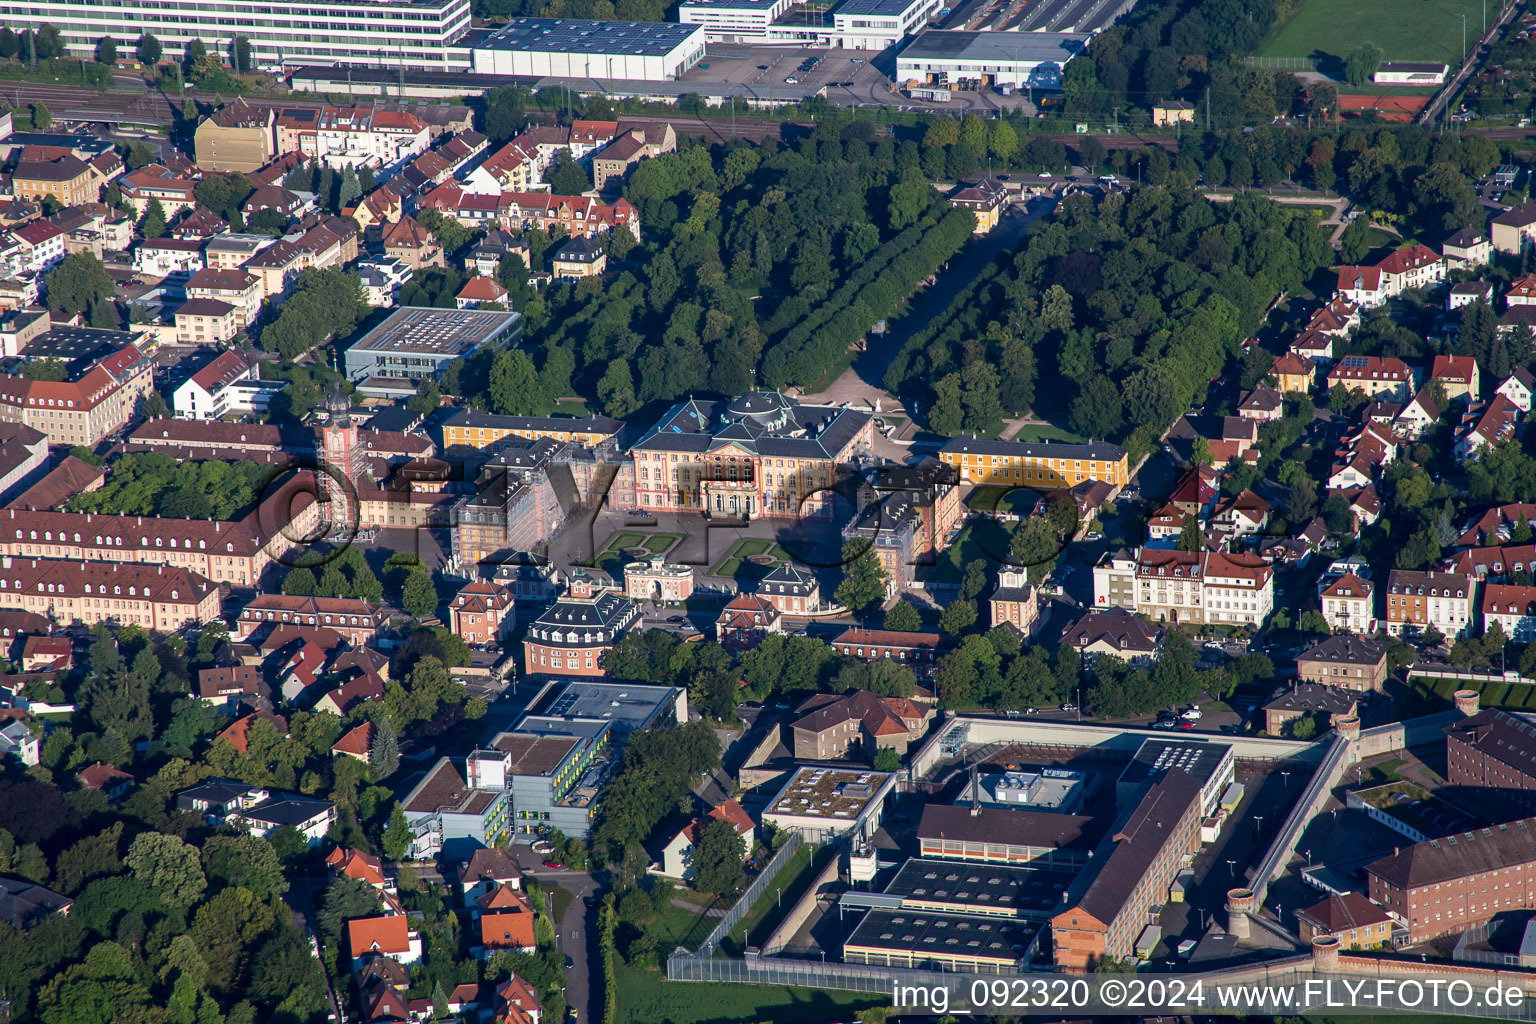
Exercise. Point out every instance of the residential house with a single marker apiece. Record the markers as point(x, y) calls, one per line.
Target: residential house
point(1117, 632)
point(477, 291)
point(1458, 375)
point(745, 620)
point(168, 257)
point(68, 180)
point(356, 742)
point(105, 779)
point(358, 621)
point(578, 257)
point(1345, 660)
point(206, 322)
point(412, 244)
point(386, 935)
point(18, 741)
point(1413, 419)
point(1241, 515)
point(1167, 113)
point(506, 920)
point(227, 684)
point(205, 394)
point(1263, 403)
point(1373, 376)
point(1349, 917)
point(1487, 423)
point(236, 137)
point(486, 869)
point(1512, 608)
point(791, 589)
point(677, 855)
point(986, 198)
point(157, 182)
point(1467, 248)
point(830, 726)
point(1308, 699)
point(1348, 603)
point(1519, 387)
point(1464, 293)
point(1294, 373)
point(1414, 266)
point(1515, 229)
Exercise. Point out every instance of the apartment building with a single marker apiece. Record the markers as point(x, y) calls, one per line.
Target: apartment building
point(359, 622)
point(1512, 608)
point(1419, 600)
point(156, 597)
point(480, 611)
point(476, 429)
point(348, 137)
point(1415, 266)
point(1493, 750)
point(68, 180)
point(1374, 376)
point(236, 287)
point(84, 410)
point(236, 137)
point(571, 638)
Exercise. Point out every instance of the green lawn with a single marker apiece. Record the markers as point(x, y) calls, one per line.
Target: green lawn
point(681, 926)
point(611, 558)
point(986, 538)
point(1406, 30)
point(562, 900)
point(1046, 432)
point(646, 997)
point(758, 924)
point(748, 547)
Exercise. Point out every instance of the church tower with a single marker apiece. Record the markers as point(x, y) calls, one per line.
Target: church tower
point(340, 459)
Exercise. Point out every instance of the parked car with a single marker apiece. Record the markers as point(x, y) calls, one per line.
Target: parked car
point(791, 80)
point(569, 963)
point(1192, 715)
point(1069, 707)
point(553, 865)
point(1163, 723)
point(1186, 724)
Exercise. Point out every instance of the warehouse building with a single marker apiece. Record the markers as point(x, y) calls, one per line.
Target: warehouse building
point(416, 342)
point(414, 34)
point(1032, 60)
point(568, 48)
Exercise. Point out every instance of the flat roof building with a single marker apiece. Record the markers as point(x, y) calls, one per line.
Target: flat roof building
point(553, 780)
point(1022, 59)
point(733, 21)
point(877, 24)
point(1004, 835)
point(572, 48)
point(1211, 764)
point(418, 341)
point(448, 815)
point(414, 34)
point(625, 706)
point(823, 804)
point(941, 941)
point(1047, 789)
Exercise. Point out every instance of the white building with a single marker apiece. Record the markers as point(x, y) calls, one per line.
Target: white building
point(352, 137)
point(877, 24)
point(733, 21)
point(228, 386)
point(17, 741)
point(382, 277)
point(1237, 588)
point(937, 57)
point(568, 48)
point(1394, 72)
point(414, 34)
point(1348, 604)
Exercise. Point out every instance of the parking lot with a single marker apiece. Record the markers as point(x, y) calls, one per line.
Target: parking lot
point(769, 66)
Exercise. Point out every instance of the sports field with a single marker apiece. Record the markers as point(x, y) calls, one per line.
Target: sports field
point(1422, 30)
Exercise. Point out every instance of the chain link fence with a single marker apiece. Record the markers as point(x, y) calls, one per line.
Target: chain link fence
point(1321, 65)
point(759, 885)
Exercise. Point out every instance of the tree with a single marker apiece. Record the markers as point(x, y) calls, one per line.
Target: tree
point(245, 861)
point(1301, 499)
point(1036, 547)
point(79, 282)
point(10, 44)
point(565, 175)
point(192, 53)
point(154, 223)
point(242, 55)
point(419, 596)
point(887, 760)
point(384, 753)
point(957, 618)
point(1190, 536)
point(396, 841)
point(42, 117)
point(300, 582)
point(169, 866)
point(148, 49)
point(1355, 242)
point(1361, 63)
point(514, 385)
point(863, 585)
point(903, 618)
point(106, 50)
point(1201, 453)
point(718, 860)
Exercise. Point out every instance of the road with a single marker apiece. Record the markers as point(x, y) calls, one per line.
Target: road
point(576, 937)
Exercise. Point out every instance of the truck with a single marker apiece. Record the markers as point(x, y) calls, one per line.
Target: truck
point(932, 95)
